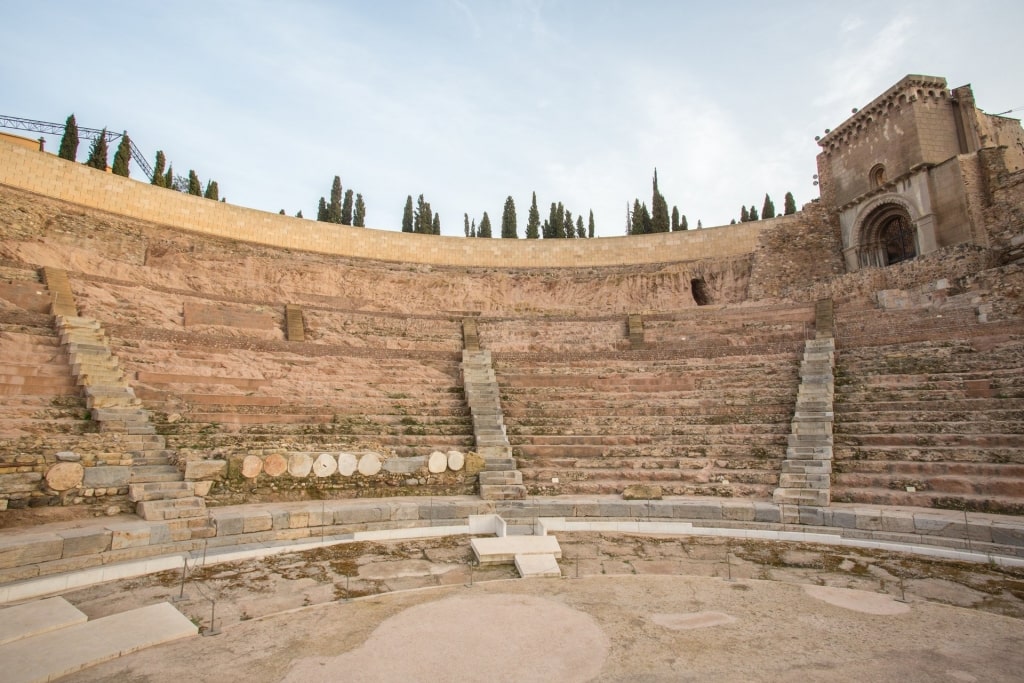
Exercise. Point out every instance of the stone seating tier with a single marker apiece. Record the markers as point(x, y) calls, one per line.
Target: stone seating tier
point(690, 426)
point(932, 423)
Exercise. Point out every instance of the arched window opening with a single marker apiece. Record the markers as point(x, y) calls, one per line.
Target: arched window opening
point(877, 176)
point(699, 289)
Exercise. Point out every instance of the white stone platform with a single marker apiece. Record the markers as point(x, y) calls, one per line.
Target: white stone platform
point(35, 618)
point(57, 653)
point(503, 549)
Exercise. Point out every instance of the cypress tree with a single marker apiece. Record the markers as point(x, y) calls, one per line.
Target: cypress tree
point(533, 221)
point(636, 224)
point(485, 227)
point(554, 219)
point(421, 216)
point(659, 209)
point(568, 227)
point(683, 225)
point(675, 218)
point(732, 222)
point(359, 214)
point(768, 210)
point(98, 152)
point(158, 169)
point(212, 191)
point(346, 209)
point(435, 226)
point(299, 214)
point(69, 141)
point(194, 186)
point(472, 229)
point(581, 231)
point(321, 210)
point(508, 219)
point(558, 224)
point(744, 216)
point(790, 205)
point(700, 226)
point(334, 207)
point(123, 156)
point(407, 215)
point(169, 178)
point(753, 213)
point(545, 228)
point(465, 223)
point(590, 226)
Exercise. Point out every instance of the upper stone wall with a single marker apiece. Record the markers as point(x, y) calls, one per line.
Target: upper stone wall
point(48, 175)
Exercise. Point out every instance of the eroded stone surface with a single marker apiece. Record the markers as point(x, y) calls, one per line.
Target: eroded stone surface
point(64, 476)
point(456, 460)
point(275, 465)
point(437, 463)
point(369, 464)
point(325, 465)
point(300, 465)
point(347, 463)
point(252, 465)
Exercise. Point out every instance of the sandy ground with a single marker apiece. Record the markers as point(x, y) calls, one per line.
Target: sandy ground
point(645, 608)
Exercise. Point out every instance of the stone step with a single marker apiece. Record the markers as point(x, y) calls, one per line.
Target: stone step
point(154, 473)
point(492, 464)
point(496, 453)
point(814, 497)
point(500, 477)
point(37, 617)
point(59, 653)
point(803, 481)
point(160, 491)
point(175, 508)
point(503, 492)
point(503, 549)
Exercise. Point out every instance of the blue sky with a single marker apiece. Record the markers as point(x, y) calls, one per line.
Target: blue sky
point(469, 102)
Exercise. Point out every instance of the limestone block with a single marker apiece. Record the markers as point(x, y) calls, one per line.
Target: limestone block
point(405, 465)
point(347, 463)
point(257, 521)
point(129, 535)
point(437, 463)
point(300, 465)
point(642, 492)
point(15, 552)
point(229, 524)
point(275, 465)
point(202, 488)
point(252, 465)
point(325, 465)
point(369, 464)
point(456, 461)
point(206, 469)
point(64, 476)
point(106, 476)
point(20, 482)
point(68, 456)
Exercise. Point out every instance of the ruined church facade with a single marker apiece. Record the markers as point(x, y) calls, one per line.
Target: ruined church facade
point(914, 170)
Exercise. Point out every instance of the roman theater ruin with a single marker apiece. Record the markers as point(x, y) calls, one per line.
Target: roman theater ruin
point(183, 379)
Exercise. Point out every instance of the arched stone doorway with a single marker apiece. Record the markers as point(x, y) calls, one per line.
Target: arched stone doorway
point(887, 236)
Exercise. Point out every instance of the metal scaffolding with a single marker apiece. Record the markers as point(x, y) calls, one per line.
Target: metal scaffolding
point(16, 123)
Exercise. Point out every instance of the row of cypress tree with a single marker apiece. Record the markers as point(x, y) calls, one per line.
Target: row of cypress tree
point(767, 209)
point(558, 224)
point(342, 209)
point(99, 152)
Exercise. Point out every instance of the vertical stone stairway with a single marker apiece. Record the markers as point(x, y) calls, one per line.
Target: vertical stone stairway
point(294, 329)
point(807, 469)
point(499, 480)
point(62, 301)
point(156, 486)
point(636, 331)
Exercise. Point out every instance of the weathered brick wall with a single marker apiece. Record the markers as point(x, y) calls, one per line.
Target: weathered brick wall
point(50, 176)
point(794, 254)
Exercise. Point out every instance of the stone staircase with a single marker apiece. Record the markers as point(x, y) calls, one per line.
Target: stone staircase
point(154, 483)
point(295, 331)
point(499, 480)
point(636, 331)
point(807, 469)
point(61, 297)
point(470, 334)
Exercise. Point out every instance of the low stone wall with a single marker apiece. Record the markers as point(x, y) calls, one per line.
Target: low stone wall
point(32, 555)
point(277, 475)
point(50, 176)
